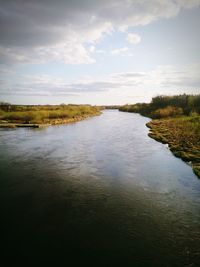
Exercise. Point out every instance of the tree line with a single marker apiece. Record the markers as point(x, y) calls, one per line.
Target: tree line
point(167, 106)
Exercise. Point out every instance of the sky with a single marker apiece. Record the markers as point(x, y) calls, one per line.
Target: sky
point(98, 52)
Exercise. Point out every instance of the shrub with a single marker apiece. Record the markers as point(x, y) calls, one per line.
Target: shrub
point(169, 111)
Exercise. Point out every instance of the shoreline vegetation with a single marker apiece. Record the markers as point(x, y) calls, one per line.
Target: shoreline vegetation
point(36, 116)
point(176, 122)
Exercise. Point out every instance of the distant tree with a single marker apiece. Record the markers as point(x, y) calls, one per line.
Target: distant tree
point(5, 106)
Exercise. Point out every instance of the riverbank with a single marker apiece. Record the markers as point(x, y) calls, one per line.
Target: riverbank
point(182, 136)
point(50, 122)
point(18, 125)
point(176, 122)
point(13, 116)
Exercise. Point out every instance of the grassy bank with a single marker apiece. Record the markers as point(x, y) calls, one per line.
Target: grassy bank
point(176, 122)
point(182, 135)
point(47, 114)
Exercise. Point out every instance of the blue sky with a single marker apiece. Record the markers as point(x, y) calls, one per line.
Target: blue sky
point(98, 52)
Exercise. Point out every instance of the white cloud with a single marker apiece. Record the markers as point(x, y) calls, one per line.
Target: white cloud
point(92, 49)
point(69, 52)
point(133, 38)
point(120, 51)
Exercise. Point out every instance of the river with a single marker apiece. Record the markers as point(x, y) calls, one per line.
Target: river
point(100, 192)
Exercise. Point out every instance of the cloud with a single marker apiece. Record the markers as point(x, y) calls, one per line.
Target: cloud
point(177, 76)
point(69, 52)
point(120, 51)
point(162, 80)
point(130, 75)
point(133, 38)
point(42, 31)
point(92, 49)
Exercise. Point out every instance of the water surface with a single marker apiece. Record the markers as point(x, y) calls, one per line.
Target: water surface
point(100, 192)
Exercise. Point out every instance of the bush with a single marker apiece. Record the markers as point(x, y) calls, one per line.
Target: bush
point(165, 106)
point(169, 111)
